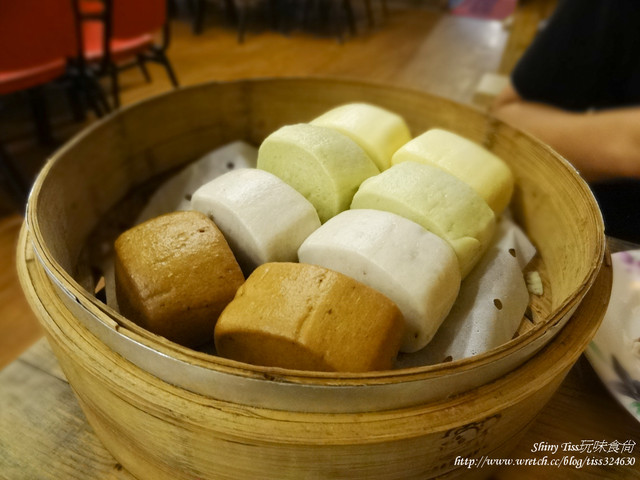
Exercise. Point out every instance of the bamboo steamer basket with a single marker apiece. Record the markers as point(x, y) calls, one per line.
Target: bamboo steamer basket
point(160, 431)
point(169, 412)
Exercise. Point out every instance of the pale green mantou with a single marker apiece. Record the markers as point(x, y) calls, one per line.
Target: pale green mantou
point(378, 131)
point(324, 165)
point(485, 172)
point(435, 199)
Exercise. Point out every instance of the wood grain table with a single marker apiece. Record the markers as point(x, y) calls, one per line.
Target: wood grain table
point(44, 434)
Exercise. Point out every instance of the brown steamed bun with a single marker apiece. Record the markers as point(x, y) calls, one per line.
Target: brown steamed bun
point(174, 275)
point(306, 317)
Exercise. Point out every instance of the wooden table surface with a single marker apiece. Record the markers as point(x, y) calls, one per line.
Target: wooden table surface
point(44, 434)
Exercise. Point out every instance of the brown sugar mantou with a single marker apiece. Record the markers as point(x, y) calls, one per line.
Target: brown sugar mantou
point(307, 317)
point(174, 275)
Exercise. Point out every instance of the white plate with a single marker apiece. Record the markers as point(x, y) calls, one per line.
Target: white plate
point(614, 352)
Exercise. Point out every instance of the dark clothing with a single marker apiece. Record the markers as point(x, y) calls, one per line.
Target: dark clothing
point(588, 57)
point(619, 202)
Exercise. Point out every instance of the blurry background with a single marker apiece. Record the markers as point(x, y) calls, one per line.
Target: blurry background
point(462, 50)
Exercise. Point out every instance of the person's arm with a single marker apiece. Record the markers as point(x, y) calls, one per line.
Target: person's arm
point(601, 145)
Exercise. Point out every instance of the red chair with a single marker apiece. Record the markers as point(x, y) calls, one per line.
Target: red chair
point(123, 35)
point(38, 45)
point(91, 7)
point(35, 50)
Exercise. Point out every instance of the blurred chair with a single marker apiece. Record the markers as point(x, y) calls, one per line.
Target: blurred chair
point(198, 12)
point(238, 13)
point(39, 40)
point(40, 47)
point(17, 186)
point(324, 16)
point(91, 7)
point(123, 34)
point(242, 10)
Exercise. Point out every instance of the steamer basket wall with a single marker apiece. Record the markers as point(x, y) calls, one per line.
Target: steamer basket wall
point(169, 411)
